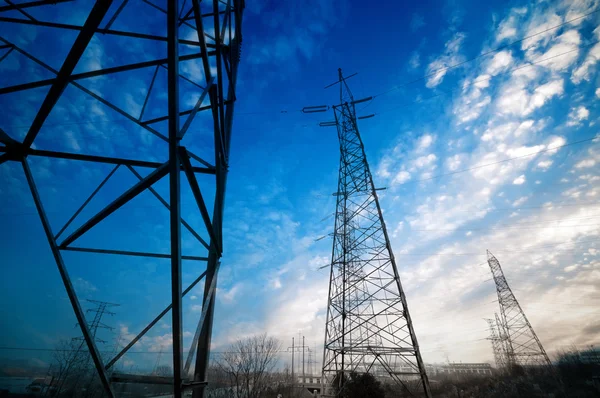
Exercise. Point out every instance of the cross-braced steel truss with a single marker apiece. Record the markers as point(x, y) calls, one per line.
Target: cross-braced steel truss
point(368, 327)
point(521, 344)
point(213, 39)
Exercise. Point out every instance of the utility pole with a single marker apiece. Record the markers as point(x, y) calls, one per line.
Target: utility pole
point(368, 324)
point(303, 373)
point(522, 346)
point(293, 349)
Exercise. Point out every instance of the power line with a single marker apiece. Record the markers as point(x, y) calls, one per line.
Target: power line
point(445, 69)
point(505, 227)
point(443, 92)
point(501, 161)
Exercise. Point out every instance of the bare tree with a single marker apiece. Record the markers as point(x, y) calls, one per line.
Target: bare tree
point(248, 364)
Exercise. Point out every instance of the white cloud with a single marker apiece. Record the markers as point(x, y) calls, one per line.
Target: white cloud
point(515, 99)
point(544, 164)
point(229, 295)
point(519, 180)
point(401, 177)
point(84, 286)
point(425, 142)
point(571, 268)
point(585, 163)
point(562, 54)
point(584, 71)
point(520, 201)
point(577, 115)
point(539, 29)
point(598, 92)
point(454, 162)
point(556, 142)
point(424, 161)
point(500, 62)
point(545, 92)
point(507, 29)
point(193, 297)
point(438, 68)
point(415, 60)
point(276, 283)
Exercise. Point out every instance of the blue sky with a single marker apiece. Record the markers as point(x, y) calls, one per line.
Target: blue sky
point(473, 157)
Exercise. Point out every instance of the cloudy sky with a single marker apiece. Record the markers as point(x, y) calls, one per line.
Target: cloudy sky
point(484, 136)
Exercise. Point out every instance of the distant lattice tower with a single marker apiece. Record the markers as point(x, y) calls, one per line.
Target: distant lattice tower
point(523, 348)
point(497, 343)
point(368, 327)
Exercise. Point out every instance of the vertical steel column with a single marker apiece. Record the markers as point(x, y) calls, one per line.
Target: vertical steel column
point(203, 349)
point(174, 191)
point(79, 314)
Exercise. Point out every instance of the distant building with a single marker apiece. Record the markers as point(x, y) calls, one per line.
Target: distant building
point(308, 379)
point(465, 369)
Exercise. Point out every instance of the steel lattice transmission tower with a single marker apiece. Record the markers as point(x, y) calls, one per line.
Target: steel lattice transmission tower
point(368, 327)
point(521, 344)
point(497, 343)
point(203, 37)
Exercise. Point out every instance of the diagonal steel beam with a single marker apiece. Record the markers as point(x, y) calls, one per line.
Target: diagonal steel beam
point(89, 339)
point(81, 42)
point(6, 139)
point(94, 73)
point(99, 30)
point(164, 202)
point(187, 167)
point(148, 94)
point(117, 203)
point(116, 14)
point(107, 160)
point(205, 306)
point(130, 253)
point(152, 323)
point(20, 10)
point(201, 39)
point(31, 4)
point(6, 54)
point(85, 203)
point(194, 111)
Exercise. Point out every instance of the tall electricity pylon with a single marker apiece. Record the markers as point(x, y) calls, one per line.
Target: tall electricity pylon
point(368, 327)
point(523, 348)
point(497, 343)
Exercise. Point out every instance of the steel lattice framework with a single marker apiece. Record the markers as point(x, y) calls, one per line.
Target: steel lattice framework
point(521, 344)
point(217, 48)
point(368, 327)
point(497, 343)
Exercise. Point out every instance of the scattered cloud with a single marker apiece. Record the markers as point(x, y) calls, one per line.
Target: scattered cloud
point(415, 60)
point(84, 287)
point(577, 115)
point(519, 180)
point(437, 69)
point(520, 201)
point(417, 22)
